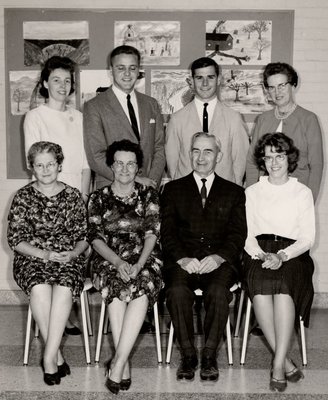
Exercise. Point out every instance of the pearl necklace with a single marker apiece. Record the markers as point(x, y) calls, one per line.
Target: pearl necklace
point(284, 115)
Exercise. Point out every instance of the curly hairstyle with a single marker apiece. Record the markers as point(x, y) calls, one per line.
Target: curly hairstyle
point(44, 147)
point(281, 144)
point(280, 68)
point(51, 64)
point(124, 145)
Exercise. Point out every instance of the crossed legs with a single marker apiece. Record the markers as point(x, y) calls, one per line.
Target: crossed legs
point(51, 306)
point(276, 315)
point(126, 320)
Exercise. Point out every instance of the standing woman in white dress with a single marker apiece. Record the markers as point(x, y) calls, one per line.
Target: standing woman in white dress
point(54, 121)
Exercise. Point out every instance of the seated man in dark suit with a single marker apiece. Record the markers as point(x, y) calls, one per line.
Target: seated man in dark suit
point(203, 234)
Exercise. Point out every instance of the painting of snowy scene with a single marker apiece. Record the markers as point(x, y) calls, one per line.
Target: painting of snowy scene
point(243, 90)
point(157, 41)
point(239, 42)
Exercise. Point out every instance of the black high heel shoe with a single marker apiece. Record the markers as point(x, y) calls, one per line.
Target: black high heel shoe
point(51, 379)
point(125, 384)
point(112, 386)
point(64, 370)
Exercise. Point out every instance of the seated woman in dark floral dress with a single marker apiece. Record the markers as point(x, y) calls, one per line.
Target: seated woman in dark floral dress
point(124, 227)
point(47, 231)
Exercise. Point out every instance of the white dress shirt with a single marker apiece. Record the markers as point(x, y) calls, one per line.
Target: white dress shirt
point(121, 97)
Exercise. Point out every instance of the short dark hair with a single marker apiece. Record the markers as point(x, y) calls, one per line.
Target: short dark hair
point(124, 145)
point(280, 68)
point(124, 49)
point(51, 64)
point(281, 144)
point(44, 147)
point(204, 62)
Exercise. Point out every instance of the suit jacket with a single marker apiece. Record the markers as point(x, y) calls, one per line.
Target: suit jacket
point(189, 230)
point(226, 125)
point(104, 121)
point(303, 127)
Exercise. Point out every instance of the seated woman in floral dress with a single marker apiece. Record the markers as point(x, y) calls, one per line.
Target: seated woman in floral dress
point(47, 230)
point(124, 225)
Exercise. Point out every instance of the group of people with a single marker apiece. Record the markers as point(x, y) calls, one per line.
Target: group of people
point(204, 231)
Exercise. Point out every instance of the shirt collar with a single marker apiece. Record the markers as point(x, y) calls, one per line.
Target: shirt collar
point(122, 95)
point(209, 180)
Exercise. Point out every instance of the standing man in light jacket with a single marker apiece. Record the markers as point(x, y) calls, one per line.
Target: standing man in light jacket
point(206, 113)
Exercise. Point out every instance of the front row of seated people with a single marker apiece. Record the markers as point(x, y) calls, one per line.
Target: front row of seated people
point(202, 227)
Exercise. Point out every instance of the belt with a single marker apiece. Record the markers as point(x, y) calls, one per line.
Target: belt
point(276, 238)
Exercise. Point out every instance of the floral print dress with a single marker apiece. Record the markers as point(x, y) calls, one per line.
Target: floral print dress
point(123, 223)
point(54, 223)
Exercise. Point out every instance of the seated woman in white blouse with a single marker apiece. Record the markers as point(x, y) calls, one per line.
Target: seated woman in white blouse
point(278, 267)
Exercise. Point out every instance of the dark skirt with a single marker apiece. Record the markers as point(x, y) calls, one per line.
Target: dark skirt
point(294, 278)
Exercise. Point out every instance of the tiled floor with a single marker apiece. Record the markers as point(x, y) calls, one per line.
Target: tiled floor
point(150, 381)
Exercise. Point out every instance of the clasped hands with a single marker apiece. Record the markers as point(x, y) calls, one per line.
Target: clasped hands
point(203, 266)
point(271, 260)
point(61, 257)
point(128, 271)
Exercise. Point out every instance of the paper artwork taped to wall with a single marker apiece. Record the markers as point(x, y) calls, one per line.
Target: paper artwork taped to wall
point(24, 92)
point(243, 90)
point(239, 42)
point(157, 41)
point(44, 39)
point(93, 82)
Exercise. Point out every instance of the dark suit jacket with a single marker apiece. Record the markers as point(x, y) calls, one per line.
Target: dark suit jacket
point(104, 121)
point(189, 230)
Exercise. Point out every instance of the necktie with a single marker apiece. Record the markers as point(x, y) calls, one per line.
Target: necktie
point(203, 192)
point(205, 118)
point(133, 118)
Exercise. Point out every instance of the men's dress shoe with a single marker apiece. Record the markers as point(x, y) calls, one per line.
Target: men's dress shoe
point(64, 370)
point(209, 369)
point(147, 327)
point(256, 331)
point(51, 379)
point(295, 374)
point(186, 369)
point(73, 331)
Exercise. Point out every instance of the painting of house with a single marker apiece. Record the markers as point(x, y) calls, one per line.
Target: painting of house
point(219, 41)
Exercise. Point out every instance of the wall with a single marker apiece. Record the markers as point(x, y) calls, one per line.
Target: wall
point(310, 60)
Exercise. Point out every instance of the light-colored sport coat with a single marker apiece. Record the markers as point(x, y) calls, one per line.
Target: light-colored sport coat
point(226, 125)
point(104, 121)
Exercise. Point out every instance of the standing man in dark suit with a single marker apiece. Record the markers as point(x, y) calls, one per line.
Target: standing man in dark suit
point(203, 234)
point(123, 113)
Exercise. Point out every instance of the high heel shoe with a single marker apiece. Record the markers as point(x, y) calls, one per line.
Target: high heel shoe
point(112, 386)
point(64, 370)
point(125, 384)
point(51, 379)
point(295, 374)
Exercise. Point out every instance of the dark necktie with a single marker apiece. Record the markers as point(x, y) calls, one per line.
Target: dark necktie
point(203, 192)
point(205, 118)
point(133, 118)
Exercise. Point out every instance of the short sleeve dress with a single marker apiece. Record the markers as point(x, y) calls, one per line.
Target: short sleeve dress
point(56, 224)
point(122, 223)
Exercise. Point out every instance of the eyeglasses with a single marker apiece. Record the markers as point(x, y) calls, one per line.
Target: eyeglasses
point(49, 165)
point(130, 165)
point(278, 158)
point(281, 86)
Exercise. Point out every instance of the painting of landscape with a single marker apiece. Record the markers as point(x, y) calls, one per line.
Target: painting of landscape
point(243, 90)
point(157, 41)
point(44, 39)
point(244, 42)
